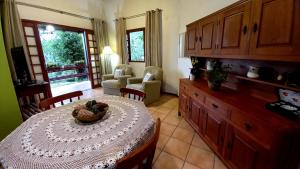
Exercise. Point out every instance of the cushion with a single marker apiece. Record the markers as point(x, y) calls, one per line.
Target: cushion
point(137, 86)
point(148, 77)
point(112, 84)
point(119, 73)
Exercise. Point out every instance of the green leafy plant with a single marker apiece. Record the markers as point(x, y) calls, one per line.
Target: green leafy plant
point(217, 76)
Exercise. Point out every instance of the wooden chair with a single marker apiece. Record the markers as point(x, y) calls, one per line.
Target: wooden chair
point(45, 104)
point(145, 152)
point(137, 95)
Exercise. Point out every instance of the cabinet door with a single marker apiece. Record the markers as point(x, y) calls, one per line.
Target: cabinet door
point(243, 153)
point(183, 104)
point(234, 30)
point(214, 128)
point(191, 39)
point(207, 35)
point(275, 30)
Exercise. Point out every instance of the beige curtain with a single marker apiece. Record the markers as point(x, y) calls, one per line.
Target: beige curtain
point(101, 35)
point(121, 40)
point(153, 38)
point(13, 32)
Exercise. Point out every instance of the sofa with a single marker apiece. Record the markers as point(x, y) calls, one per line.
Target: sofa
point(151, 88)
point(111, 83)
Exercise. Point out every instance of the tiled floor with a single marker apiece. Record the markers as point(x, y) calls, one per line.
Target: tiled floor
point(179, 147)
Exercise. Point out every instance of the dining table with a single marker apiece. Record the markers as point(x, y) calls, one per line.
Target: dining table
point(54, 139)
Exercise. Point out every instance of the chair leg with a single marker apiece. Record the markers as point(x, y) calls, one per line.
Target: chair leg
point(148, 164)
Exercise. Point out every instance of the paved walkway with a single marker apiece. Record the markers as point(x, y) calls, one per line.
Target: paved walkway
point(85, 85)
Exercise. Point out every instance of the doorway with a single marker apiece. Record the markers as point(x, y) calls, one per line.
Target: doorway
point(66, 58)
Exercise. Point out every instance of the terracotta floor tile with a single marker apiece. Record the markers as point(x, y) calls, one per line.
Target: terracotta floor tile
point(167, 129)
point(167, 161)
point(162, 141)
point(200, 158)
point(163, 110)
point(174, 120)
point(156, 155)
point(189, 166)
point(219, 164)
point(198, 142)
point(177, 148)
point(185, 125)
point(183, 135)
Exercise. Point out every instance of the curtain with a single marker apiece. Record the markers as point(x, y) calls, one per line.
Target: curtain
point(101, 35)
point(121, 40)
point(153, 38)
point(13, 33)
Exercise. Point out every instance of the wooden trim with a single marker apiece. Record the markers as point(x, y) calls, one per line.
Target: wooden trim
point(58, 26)
point(128, 41)
point(86, 39)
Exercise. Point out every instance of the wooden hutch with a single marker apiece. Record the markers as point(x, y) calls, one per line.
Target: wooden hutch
point(234, 121)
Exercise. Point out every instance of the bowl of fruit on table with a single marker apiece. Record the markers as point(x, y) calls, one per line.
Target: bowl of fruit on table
point(90, 112)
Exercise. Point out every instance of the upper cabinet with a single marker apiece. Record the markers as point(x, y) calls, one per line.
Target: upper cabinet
point(207, 35)
point(249, 29)
point(275, 29)
point(191, 39)
point(234, 30)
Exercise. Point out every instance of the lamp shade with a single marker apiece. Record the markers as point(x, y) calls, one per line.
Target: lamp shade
point(107, 50)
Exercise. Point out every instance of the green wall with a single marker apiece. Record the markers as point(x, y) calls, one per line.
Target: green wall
point(10, 116)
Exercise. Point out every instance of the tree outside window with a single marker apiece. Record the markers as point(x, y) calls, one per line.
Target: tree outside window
point(136, 45)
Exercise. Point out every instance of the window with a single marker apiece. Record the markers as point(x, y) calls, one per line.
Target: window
point(136, 45)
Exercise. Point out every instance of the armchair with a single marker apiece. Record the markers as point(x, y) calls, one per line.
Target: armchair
point(151, 88)
point(112, 85)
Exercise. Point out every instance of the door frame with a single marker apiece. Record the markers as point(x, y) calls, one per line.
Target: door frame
point(34, 24)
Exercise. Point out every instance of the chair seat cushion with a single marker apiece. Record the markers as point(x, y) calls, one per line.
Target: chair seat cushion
point(136, 86)
point(111, 84)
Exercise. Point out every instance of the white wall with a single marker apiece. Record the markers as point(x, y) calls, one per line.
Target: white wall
point(89, 8)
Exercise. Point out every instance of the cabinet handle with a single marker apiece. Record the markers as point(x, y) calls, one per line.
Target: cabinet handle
point(245, 29)
point(196, 39)
point(200, 39)
point(255, 27)
point(229, 146)
point(196, 94)
point(215, 106)
point(248, 126)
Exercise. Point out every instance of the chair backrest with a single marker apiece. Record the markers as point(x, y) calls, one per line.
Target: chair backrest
point(137, 95)
point(146, 151)
point(45, 104)
point(156, 71)
point(127, 68)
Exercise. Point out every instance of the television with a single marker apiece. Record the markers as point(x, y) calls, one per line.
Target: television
point(20, 64)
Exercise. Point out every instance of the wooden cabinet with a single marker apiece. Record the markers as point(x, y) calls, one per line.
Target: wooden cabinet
point(191, 39)
point(244, 153)
point(243, 133)
point(207, 31)
point(183, 104)
point(213, 131)
point(248, 29)
point(275, 29)
point(234, 30)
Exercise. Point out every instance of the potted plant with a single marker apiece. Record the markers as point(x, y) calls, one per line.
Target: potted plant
point(217, 76)
point(195, 72)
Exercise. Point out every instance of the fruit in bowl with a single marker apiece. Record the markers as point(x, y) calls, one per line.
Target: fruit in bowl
point(90, 112)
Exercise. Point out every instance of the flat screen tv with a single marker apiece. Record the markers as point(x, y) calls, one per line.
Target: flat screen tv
point(20, 64)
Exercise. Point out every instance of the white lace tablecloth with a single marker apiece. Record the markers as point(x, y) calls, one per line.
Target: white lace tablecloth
point(52, 139)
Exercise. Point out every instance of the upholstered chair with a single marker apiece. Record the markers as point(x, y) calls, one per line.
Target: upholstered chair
point(151, 87)
point(112, 83)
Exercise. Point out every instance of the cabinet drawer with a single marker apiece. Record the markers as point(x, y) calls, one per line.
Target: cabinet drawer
point(197, 95)
point(259, 131)
point(216, 106)
point(184, 87)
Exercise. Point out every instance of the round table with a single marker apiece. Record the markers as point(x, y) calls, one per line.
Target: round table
point(52, 139)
